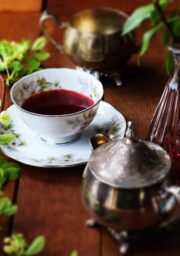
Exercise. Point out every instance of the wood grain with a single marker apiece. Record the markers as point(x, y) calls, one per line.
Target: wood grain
point(11, 29)
point(21, 5)
point(16, 26)
point(70, 7)
point(50, 204)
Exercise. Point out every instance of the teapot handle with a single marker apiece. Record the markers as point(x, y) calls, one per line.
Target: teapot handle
point(47, 16)
point(169, 205)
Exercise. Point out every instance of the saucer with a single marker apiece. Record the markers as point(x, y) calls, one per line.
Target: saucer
point(29, 148)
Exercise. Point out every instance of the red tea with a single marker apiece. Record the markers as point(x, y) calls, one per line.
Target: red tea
point(57, 102)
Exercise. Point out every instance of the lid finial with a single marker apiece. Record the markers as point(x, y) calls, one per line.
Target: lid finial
point(130, 134)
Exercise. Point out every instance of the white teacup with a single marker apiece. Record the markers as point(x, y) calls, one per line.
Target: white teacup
point(63, 128)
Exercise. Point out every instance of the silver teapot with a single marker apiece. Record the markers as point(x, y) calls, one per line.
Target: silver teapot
point(126, 184)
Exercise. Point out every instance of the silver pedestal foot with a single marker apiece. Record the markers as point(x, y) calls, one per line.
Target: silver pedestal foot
point(114, 75)
point(122, 238)
point(91, 223)
point(93, 72)
point(124, 248)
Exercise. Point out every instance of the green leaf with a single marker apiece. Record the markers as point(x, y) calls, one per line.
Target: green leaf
point(5, 49)
point(41, 56)
point(39, 43)
point(33, 65)
point(174, 23)
point(5, 202)
point(36, 246)
point(8, 171)
point(147, 38)
point(74, 253)
point(7, 138)
point(7, 208)
point(154, 17)
point(140, 14)
point(2, 66)
point(166, 37)
point(169, 63)
point(176, 28)
point(2, 161)
point(137, 17)
point(11, 210)
point(16, 66)
point(13, 56)
point(26, 44)
point(3, 177)
point(13, 172)
point(164, 3)
point(5, 119)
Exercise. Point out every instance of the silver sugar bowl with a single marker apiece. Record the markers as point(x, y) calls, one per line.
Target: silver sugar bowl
point(126, 184)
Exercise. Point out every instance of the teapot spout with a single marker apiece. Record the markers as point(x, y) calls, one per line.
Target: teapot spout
point(98, 140)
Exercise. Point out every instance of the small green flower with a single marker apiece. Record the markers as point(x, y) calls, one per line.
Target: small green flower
point(16, 245)
point(5, 120)
point(68, 157)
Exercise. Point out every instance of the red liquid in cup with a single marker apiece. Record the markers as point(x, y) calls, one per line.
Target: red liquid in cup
point(57, 102)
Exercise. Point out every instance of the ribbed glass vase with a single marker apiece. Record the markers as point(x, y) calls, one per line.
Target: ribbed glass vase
point(165, 125)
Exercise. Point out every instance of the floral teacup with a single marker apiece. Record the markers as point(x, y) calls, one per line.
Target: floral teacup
point(55, 129)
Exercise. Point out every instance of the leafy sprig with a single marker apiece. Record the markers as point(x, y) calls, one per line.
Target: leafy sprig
point(169, 24)
point(5, 124)
point(8, 171)
point(21, 58)
point(17, 245)
point(7, 208)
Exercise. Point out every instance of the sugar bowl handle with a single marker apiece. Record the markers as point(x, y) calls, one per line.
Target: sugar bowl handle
point(169, 205)
point(175, 191)
point(98, 140)
point(47, 16)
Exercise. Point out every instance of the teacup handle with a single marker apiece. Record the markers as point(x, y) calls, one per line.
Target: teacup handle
point(47, 16)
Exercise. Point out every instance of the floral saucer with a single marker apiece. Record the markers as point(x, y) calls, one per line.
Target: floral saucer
point(30, 149)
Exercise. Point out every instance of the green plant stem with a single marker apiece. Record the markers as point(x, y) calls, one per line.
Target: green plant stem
point(163, 19)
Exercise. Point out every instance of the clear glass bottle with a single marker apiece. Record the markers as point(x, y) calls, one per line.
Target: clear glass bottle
point(165, 125)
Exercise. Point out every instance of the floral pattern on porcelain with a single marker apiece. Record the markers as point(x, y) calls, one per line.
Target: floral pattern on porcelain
point(40, 84)
point(30, 149)
point(34, 86)
point(68, 158)
point(95, 93)
point(111, 129)
point(82, 120)
point(57, 128)
point(17, 142)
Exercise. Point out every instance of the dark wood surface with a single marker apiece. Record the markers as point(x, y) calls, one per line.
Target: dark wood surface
point(49, 200)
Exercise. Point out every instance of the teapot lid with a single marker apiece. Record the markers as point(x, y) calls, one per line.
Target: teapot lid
point(130, 163)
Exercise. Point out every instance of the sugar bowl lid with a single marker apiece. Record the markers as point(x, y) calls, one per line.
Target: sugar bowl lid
point(129, 163)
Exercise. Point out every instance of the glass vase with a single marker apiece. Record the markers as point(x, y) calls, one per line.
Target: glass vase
point(165, 125)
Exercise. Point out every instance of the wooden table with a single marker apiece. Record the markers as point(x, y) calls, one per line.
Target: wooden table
point(49, 200)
